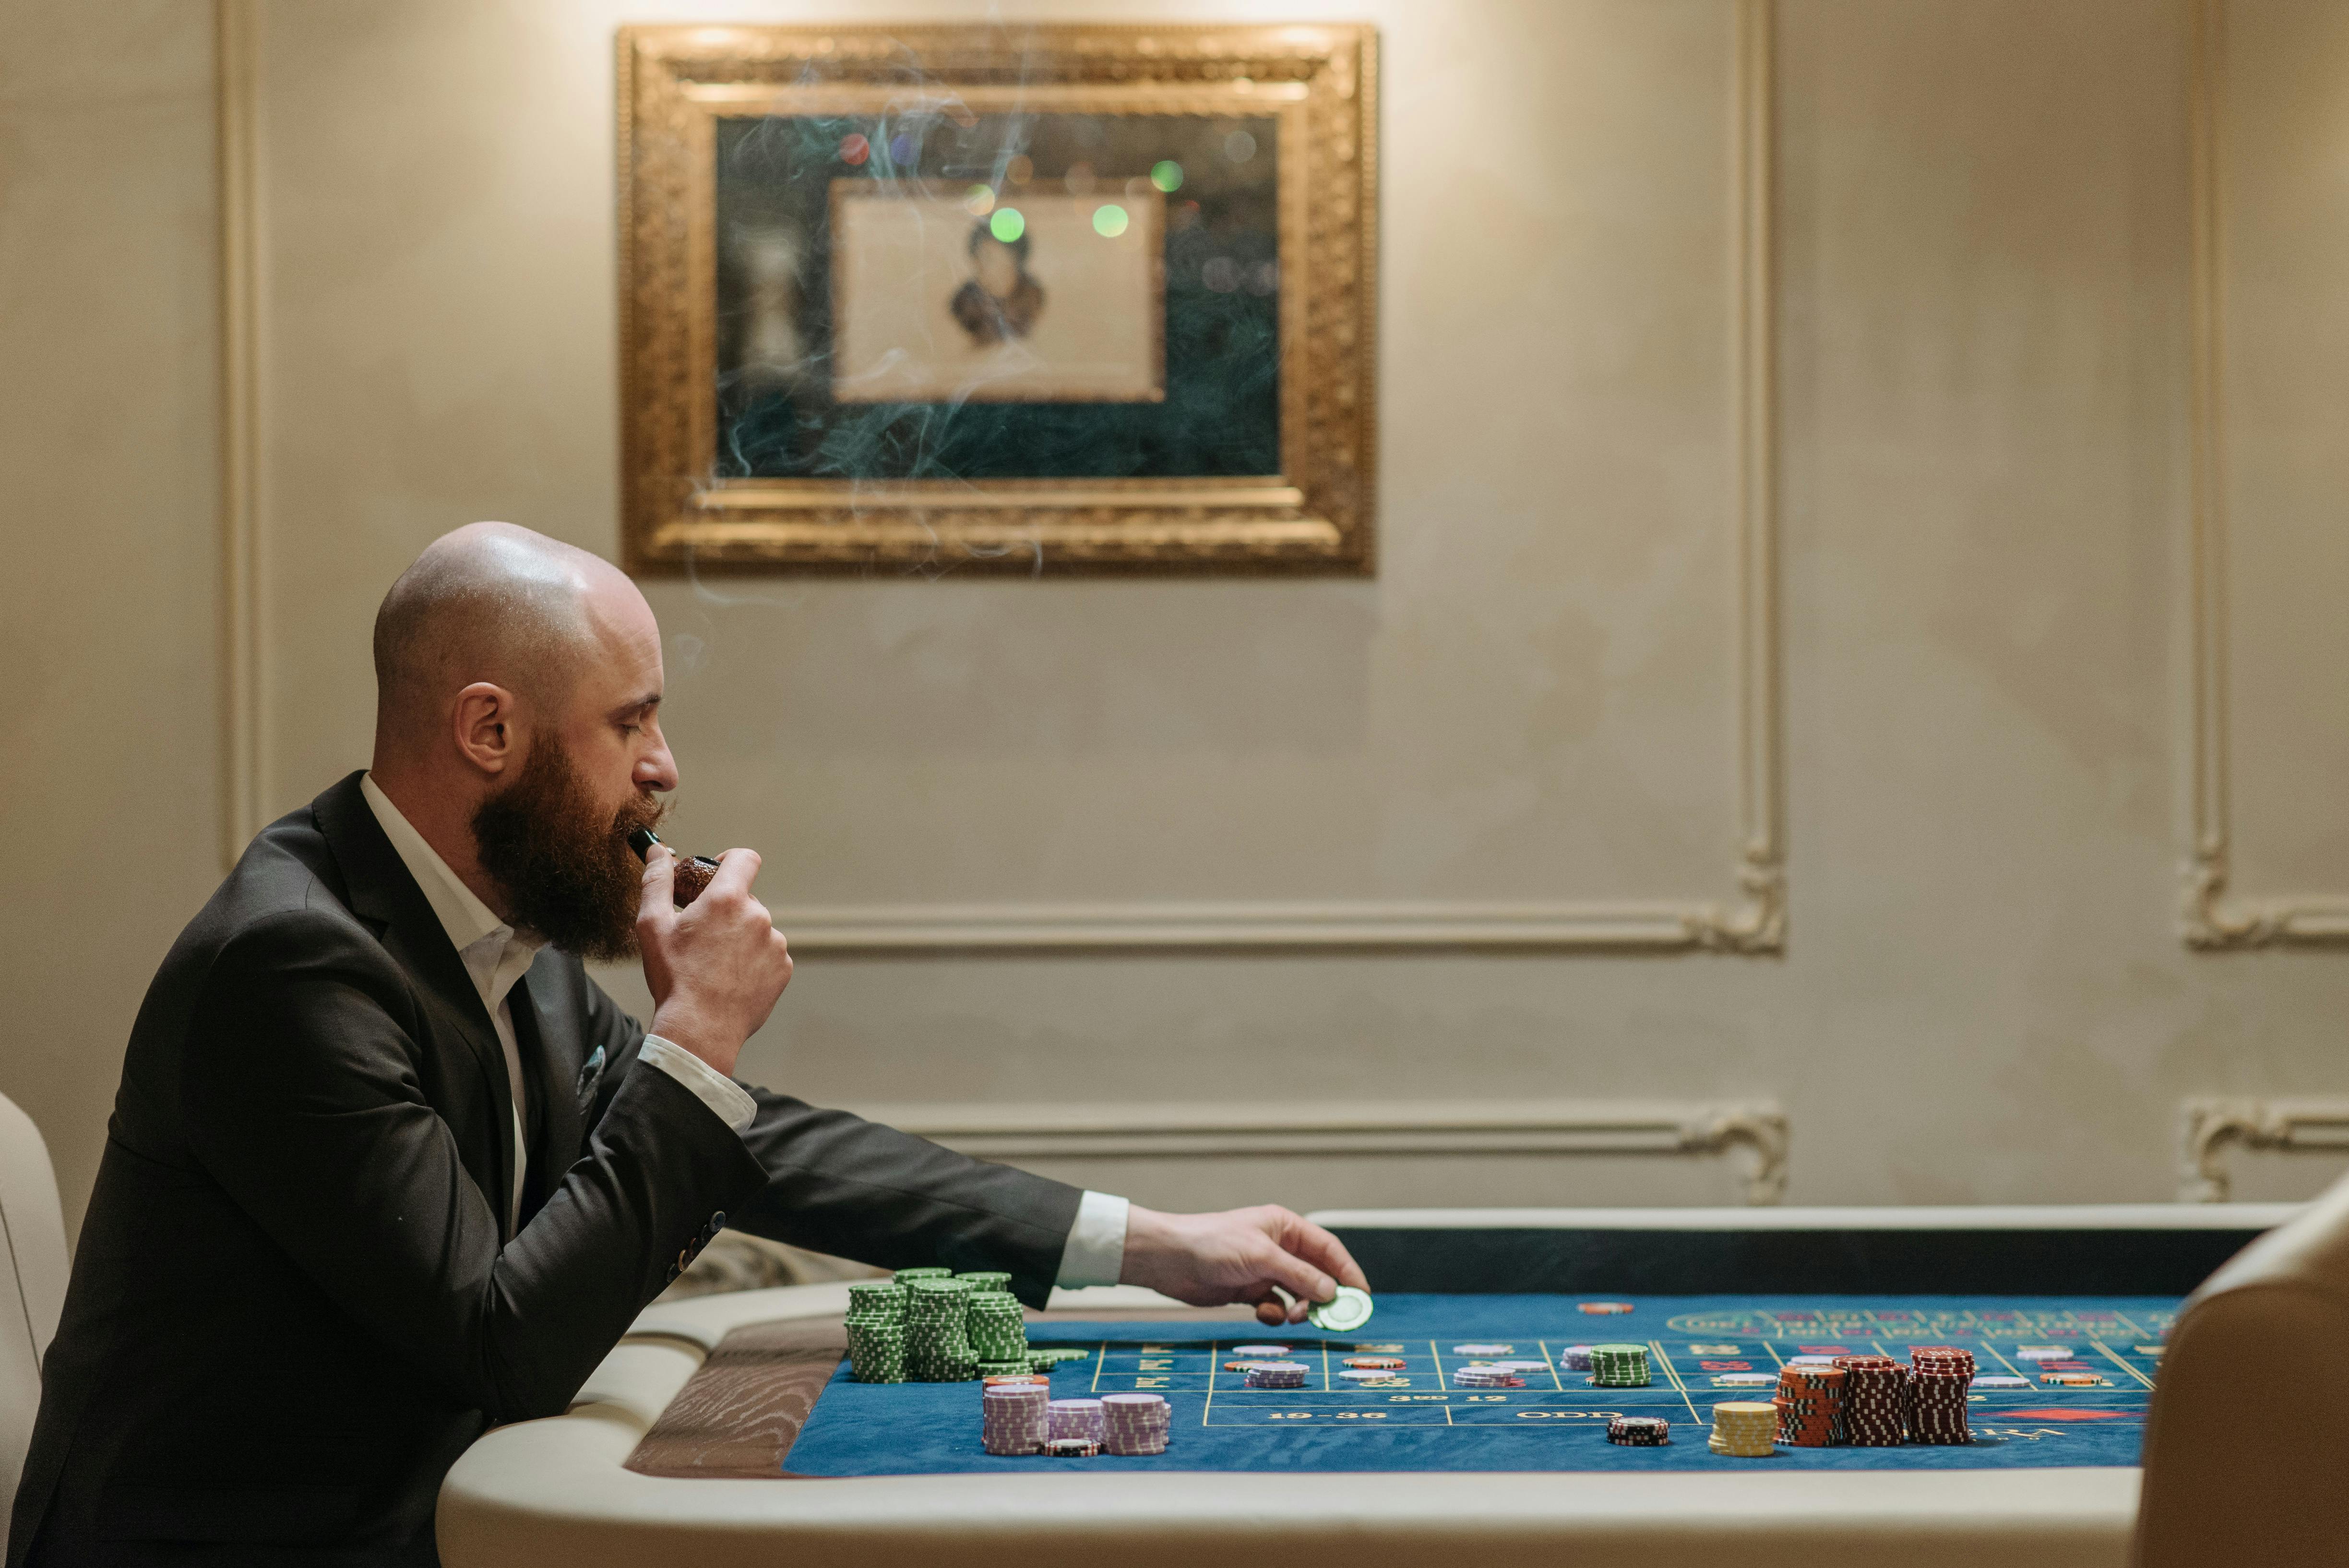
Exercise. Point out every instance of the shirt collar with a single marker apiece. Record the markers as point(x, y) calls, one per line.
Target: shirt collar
point(465, 918)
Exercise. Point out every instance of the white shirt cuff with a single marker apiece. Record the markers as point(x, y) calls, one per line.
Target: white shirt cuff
point(733, 1105)
point(1096, 1251)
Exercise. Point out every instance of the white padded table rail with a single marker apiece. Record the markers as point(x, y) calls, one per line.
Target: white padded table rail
point(541, 1494)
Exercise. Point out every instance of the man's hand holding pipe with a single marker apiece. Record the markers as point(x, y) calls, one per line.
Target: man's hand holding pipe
point(717, 967)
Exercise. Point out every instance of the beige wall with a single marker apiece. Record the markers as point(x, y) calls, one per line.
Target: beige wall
point(2283, 383)
point(1983, 401)
point(109, 795)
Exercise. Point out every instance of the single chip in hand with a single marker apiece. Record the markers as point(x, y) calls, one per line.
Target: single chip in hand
point(1347, 1312)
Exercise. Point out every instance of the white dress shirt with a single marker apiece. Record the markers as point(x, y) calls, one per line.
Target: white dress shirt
point(496, 956)
point(1095, 1252)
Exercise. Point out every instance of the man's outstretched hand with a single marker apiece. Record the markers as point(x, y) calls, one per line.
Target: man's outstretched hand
point(1240, 1254)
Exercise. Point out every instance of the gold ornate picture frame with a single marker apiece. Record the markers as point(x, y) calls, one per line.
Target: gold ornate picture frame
point(1258, 458)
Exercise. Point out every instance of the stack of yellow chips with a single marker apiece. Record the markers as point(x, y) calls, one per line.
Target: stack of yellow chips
point(1745, 1428)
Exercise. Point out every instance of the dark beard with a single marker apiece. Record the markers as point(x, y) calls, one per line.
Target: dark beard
point(565, 864)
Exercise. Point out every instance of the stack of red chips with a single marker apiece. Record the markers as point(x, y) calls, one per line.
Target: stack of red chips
point(1875, 1401)
point(1810, 1405)
point(1940, 1376)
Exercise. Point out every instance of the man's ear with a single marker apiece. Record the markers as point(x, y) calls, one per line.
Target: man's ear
point(488, 728)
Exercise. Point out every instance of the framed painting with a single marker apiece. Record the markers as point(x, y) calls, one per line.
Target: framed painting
point(1035, 299)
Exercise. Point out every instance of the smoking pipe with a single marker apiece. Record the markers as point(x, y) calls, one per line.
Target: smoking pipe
point(691, 875)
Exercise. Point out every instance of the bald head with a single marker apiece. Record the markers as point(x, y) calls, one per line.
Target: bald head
point(493, 602)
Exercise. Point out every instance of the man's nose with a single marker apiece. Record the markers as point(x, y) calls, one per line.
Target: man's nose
point(656, 770)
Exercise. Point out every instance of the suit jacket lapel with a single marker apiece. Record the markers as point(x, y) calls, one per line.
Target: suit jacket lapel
point(380, 890)
point(549, 1032)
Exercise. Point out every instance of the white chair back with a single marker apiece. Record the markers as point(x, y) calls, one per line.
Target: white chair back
point(32, 1287)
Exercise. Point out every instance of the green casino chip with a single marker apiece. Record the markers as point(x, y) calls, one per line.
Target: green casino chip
point(938, 1342)
point(1347, 1311)
point(876, 1350)
point(1618, 1366)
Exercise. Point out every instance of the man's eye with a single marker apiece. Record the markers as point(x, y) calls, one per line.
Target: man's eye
point(631, 728)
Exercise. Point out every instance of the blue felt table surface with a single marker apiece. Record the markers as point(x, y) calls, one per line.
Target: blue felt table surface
point(1418, 1421)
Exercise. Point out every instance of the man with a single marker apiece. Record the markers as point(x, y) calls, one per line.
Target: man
point(386, 1168)
point(999, 301)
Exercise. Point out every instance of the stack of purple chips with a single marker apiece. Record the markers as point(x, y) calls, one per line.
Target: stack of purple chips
point(1135, 1423)
point(1485, 1376)
point(1012, 1417)
point(1075, 1418)
point(1276, 1375)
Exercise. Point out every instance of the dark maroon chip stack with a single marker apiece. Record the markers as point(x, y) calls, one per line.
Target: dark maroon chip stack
point(1639, 1431)
point(1875, 1401)
point(1938, 1378)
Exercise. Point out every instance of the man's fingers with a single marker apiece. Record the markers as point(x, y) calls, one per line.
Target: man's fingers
point(1273, 1309)
point(656, 900)
point(1298, 1277)
point(737, 869)
point(1325, 1251)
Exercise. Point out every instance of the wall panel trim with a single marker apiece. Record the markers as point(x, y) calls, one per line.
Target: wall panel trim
point(2213, 914)
point(1159, 1130)
point(2211, 1127)
point(244, 688)
point(1750, 919)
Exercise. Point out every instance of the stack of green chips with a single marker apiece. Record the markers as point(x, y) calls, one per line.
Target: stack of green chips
point(938, 1342)
point(1044, 1358)
point(876, 1331)
point(880, 1298)
point(908, 1276)
point(987, 1279)
point(999, 1335)
point(1618, 1366)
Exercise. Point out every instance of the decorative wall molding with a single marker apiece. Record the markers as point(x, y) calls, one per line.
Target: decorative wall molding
point(1750, 919)
point(1418, 1129)
point(2213, 916)
point(884, 929)
point(244, 692)
point(2212, 1127)
point(1753, 921)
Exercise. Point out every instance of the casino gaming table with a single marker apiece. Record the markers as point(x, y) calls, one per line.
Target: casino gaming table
point(725, 1431)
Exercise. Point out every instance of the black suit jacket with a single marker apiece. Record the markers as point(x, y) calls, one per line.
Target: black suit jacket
point(295, 1300)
